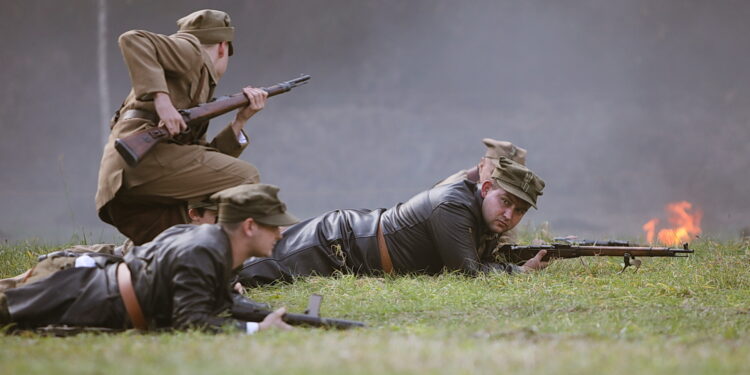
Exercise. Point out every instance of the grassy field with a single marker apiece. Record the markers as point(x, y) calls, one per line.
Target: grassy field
point(686, 316)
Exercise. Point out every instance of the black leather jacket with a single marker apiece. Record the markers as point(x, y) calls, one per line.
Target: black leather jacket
point(182, 278)
point(438, 229)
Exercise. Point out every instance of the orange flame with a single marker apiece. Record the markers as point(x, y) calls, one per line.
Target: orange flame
point(650, 228)
point(685, 225)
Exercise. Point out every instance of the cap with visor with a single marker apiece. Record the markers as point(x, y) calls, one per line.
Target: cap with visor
point(209, 26)
point(518, 180)
point(257, 201)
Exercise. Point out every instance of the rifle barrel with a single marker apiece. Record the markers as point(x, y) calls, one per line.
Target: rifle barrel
point(135, 146)
point(572, 251)
point(224, 104)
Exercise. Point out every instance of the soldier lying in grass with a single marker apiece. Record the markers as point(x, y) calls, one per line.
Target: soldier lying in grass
point(199, 212)
point(450, 227)
point(180, 280)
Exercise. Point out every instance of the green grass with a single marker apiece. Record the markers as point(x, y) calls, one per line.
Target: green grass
point(687, 316)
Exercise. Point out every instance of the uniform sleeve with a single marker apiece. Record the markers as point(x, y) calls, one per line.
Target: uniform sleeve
point(453, 229)
point(197, 288)
point(229, 143)
point(151, 57)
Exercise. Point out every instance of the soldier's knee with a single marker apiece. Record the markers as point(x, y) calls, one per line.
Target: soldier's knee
point(249, 174)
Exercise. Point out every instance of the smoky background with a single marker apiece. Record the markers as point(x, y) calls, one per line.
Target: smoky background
point(624, 106)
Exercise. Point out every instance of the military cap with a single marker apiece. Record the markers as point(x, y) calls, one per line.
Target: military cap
point(518, 180)
point(257, 201)
point(209, 26)
point(209, 205)
point(497, 149)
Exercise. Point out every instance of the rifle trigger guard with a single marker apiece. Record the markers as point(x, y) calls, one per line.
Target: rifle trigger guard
point(155, 133)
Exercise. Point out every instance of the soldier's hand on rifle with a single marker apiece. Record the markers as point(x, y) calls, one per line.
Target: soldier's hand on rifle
point(257, 98)
point(535, 263)
point(274, 320)
point(169, 118)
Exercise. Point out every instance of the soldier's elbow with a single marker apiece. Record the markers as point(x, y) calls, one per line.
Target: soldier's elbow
point(127, 39)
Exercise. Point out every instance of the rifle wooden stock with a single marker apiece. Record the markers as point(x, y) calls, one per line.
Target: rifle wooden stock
point(515, 253)
point(135, 146)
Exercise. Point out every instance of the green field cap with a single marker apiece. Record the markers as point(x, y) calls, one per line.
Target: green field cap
point(518, 180)
point(209, 205)
point(257, 201)
point(497, 149)
point(209, 26)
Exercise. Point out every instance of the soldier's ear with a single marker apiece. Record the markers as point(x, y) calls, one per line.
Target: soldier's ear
point(223, 49)
point(486, 187)
point(193, 214)
point(249, 226)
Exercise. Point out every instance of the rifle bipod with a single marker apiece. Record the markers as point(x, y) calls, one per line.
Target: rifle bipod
point(627, 258)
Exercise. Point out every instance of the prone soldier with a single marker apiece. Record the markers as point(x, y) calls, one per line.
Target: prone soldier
point(187, 282)
point(200, 212)
point(447, 227)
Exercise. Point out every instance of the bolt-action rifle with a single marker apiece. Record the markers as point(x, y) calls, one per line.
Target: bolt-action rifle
point(135, 146)
point(243, 309)
point(518, 254)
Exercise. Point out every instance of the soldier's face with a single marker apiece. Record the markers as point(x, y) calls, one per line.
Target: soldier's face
point(266, 237)
point(502, 211)
point(222, 60)
point(208, 216)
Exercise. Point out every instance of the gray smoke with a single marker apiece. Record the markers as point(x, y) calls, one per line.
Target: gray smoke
point(624, 106)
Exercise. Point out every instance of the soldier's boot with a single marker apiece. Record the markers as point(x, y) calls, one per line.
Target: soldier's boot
point(143, 222)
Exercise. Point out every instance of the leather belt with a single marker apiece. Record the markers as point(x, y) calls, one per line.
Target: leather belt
point(385, 257)
point(137, 113)
point(125, 284)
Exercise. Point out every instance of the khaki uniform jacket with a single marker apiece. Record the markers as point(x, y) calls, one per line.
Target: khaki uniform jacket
point(176, 65)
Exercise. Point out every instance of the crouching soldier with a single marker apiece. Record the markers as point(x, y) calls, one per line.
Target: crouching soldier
point(179, 280)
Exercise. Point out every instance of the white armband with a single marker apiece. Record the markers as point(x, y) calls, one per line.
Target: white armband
point(252, 327)
point(85, 261)
point(241, 138)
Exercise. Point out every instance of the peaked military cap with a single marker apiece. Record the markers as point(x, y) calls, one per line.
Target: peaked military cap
point(209, 26)
point(518, 180)
point(497, 149)
point(257, 201)
point(209, 205)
